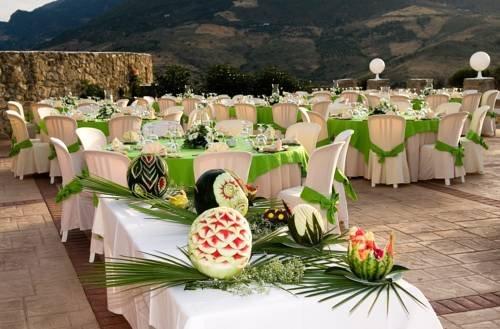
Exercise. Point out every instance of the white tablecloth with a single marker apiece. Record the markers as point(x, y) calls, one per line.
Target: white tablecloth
point(128, 233)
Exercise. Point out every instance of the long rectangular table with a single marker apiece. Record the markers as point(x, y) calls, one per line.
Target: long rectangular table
point(126, 232)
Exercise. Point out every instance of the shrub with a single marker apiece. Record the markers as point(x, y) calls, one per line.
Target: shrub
point(173, 80)
point(89, 90)
point(272, 75)
point(226, 79)
point(457, 79)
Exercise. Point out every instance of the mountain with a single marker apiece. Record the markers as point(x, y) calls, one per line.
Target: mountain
point(315, 39)
point(27, 29)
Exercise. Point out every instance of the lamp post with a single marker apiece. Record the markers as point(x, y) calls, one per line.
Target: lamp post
point(377, 66)
point(479, 62)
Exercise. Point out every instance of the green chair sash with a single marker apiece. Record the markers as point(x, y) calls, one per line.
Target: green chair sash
point(491, 114)
point(386, 154)
point(474, 137)
point(327, 203)
point(349, 190)
point(73, 148)
point(17, 147)
point(457, 152)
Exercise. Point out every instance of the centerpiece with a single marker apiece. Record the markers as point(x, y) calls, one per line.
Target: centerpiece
point(383, 107)
point(106, 110)
point(199, 135)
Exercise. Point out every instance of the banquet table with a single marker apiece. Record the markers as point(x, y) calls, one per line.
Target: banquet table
point(264, 115)
point(126, 233)
point(417, 133)
point(102, 125)
point(270, 172)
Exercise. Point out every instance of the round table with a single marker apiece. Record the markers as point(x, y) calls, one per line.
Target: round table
point(417, 133)
point(270, 172)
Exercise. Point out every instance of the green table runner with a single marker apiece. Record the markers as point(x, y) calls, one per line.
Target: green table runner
point(181, 171)
point(361, 138)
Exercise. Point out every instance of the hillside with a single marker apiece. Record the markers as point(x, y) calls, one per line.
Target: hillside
point(27, 29)
point(316, 39)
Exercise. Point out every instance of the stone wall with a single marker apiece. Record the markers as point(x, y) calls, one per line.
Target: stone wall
point(30, 76)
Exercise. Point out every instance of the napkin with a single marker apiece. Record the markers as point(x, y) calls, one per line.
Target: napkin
point(154, 148)
point(218, 147)
point(130, 136)
point(116, 145)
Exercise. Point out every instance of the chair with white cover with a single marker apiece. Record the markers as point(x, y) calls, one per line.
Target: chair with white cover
point(470, 103)
point(320, 120)
point(285, 114)
point(221, 112)
point(198, 116)
point(340, 180)
point(122, 102)
point(237, 162)
point(140, 102)
point(189, 105)
point(473, 144)
point(373, 100)
point(350, 96)
point(174, 116)
point(63, 128)
point(387, 162)
point(149, 99)
point(232, 128)
point(29, 155)
point(165, 104)
point(402, 106)
point(247, 112)
point(322, 108)
point(78, 209)
point(120, 125)
point(46, 111)
point(321, 96)
point(489, 98)
point(91, 138)
point(16, 107)
point(399, 98)
point(320, 175)
point(305, 133)
point(161, 128)
point(448, 108)
point(112, 166)
point(437, 160)
point(433, 101)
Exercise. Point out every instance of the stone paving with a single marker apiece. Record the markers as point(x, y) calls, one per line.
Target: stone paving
point(448, 236)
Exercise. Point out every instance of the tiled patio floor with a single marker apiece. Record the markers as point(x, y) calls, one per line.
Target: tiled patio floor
point(448, 236)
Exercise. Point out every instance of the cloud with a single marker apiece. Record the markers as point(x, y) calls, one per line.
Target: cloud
point(8, 7)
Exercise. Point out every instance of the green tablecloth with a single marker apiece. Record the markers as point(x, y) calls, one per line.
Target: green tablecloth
point(361, 138)
point(181, 171)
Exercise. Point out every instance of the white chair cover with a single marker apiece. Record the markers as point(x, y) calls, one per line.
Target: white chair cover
point(322, 108)
point(237, 162)
point(470, 104)
point(489, 98)
point(387, 132)
point(91, 138)
point(321, 96)
point(119, 125)
point(47, 111)
point(402, 106)
point(189, 105)
point(399, 98)
point(305, 133)
point(174, 116)
point(122, 102)
point(438, 164)
point(149, 99)
point(247, 112)
point(140, 102)
point(77, 210)
point(16, 107)
point(64, 129)
point(320, 120)
point(221, 112)
point(285, 114)
point(350, 96)
point(320, 174)
point(342, 212)
point(165, 104)
point(473, 153)
point(448, 108)
point(433, 101)
point(29, 160)
point(373, 100)
point(198, 115)
point(232, 127)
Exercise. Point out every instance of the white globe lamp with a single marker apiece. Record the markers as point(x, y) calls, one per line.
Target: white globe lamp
point(479, 62)
point(377, 66)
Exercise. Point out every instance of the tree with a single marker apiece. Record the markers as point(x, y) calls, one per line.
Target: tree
point(173, 80)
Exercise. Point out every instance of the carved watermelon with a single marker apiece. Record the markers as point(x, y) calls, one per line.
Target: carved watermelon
point(219, 188)
point(220, 243)
point(148, 174)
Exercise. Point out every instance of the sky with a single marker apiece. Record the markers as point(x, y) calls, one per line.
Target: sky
point(8, 7)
